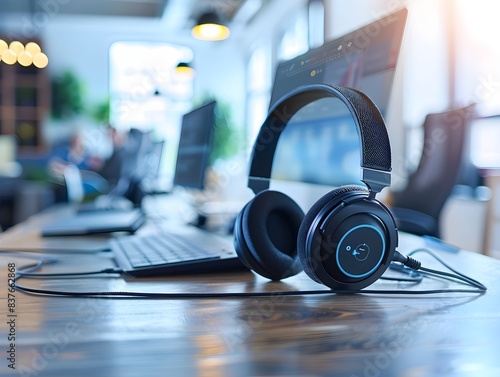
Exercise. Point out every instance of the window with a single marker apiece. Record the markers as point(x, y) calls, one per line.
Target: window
point(294, 40)
point(477, 66)
point(146, 93)
point(259, 80)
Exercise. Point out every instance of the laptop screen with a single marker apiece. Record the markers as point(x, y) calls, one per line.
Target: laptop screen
point(329, 151)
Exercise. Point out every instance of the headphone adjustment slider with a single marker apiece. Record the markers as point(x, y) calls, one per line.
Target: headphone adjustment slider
point(376, 180)
point(258, 184)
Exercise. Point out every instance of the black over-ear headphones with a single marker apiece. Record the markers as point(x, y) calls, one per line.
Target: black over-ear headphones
point(348, 238)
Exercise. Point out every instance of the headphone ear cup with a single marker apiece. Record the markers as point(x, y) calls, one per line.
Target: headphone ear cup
point(266, 235)
point(307, 223)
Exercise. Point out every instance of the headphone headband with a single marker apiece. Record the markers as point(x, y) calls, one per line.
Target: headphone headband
point(375, 146)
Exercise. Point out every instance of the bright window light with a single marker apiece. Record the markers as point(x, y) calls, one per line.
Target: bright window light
point(485, 136)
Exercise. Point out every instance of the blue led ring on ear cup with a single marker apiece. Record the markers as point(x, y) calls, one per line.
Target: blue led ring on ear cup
point(351, 256)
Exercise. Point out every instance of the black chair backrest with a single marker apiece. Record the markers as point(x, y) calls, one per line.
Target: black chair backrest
point(439, 168)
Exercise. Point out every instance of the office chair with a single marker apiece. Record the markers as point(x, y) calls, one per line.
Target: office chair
point(82, 184)
point(417, 208)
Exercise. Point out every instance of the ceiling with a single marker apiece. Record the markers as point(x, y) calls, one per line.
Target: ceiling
point(182, 11)
point(134, 8)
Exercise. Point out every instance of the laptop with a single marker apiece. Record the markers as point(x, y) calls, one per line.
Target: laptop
point(80, 224)
point(91, 221)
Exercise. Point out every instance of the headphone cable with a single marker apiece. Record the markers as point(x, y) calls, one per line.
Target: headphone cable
point(405, 261)
point(408, 262)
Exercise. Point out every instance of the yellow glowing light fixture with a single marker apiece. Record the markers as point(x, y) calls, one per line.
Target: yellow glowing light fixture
point(33, 48)
point(9, 57)
point(3, 46)
point(24, 55)
point(210, 28)
point(40, 60)
point(16, 47)
point(24, 58)
point(184, 69)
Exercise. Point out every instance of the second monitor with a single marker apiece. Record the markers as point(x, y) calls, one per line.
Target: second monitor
point(195, 146)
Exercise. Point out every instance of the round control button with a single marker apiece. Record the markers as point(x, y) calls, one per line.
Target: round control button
point(360, 251)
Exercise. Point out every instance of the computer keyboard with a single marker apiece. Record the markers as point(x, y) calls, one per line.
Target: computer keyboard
point(186, 250)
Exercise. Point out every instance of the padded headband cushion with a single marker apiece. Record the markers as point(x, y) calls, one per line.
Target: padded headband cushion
point(269, 227)
point(311, 216)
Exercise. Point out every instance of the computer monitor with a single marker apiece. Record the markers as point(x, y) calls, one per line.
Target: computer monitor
point(195, 147)
point(320, 144)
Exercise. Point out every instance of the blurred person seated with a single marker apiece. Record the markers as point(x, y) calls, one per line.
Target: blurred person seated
point(77, 152)
point(115, 168)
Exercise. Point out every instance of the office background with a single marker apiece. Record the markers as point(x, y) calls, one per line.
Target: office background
point(448, 59)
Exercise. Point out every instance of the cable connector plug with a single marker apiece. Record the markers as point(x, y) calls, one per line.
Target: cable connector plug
point(407, 261)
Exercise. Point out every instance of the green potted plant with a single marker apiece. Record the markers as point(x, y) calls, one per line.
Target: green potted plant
point(67, 96)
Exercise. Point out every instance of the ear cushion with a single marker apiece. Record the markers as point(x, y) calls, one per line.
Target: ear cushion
point(266, 235)
point(309, 219)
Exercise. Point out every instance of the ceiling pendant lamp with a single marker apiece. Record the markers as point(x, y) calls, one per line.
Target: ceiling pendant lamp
point(185, 69)
point(210, 28)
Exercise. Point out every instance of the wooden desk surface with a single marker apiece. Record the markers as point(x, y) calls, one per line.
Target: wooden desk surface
point(322, 335)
